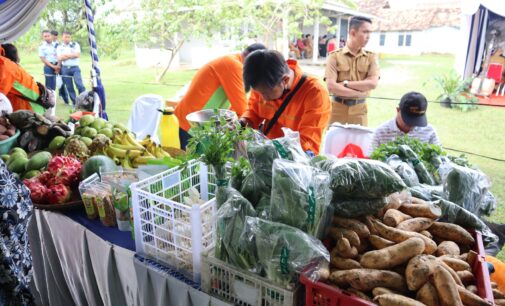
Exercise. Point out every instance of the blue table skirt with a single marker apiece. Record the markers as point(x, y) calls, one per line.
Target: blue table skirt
point(110, 234)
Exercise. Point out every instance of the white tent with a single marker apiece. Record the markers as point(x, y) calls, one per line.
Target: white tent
point(475, 20)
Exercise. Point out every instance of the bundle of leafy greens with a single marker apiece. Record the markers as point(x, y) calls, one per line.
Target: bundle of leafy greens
point(239, 170)
point(361, 178)
point(421, 170)
point(454, 213)
point(351, 208)
point(301, 197)
point(469, 188)
point(426, 192)
point(282, 251)
point(289, 147)
point(230, 224)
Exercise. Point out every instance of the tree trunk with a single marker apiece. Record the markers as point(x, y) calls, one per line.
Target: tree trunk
point(175, 51)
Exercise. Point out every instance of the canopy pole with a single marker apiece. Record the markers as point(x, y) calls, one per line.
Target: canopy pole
point(95, 72)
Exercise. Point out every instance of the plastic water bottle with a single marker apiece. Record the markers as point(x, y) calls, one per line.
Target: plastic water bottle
point(169, 129)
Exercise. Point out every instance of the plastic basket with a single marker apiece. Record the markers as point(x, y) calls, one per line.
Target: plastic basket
point(6, 145)
point(238, 287)
point(321, 294)
point(166, 229)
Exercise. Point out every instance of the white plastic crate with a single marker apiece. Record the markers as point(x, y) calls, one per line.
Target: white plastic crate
point(239, 287)
point(166, 229)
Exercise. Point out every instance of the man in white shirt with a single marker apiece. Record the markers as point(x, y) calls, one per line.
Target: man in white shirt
point(68, 53)
point(47, 54)
point(410, 120)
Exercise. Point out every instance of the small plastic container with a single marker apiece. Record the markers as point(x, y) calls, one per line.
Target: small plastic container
point(120, 182)
point(103, 200)
point(88, 195)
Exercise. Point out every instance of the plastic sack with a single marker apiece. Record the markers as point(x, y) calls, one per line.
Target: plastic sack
point(289, 147)
point(404, 170)
point(427, 192)
point(361, 178)
point(454, 213)
point(351, 208)
point(230, 224)
point(301, 197)
point(283, 251)
point(468, 188)
point(422, 172)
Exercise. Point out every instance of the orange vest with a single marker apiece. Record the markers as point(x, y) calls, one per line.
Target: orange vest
point(17, 84)
point(308, 111)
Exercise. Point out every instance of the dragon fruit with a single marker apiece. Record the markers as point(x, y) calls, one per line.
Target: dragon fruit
point(64, 170)
point(58, 194)
point(37, 190)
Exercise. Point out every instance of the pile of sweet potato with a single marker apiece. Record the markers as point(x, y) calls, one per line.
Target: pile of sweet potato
point(7, 130)
point(402, 256)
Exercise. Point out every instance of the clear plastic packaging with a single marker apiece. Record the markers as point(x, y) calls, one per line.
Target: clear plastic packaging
point(104, 204)
point(88, 194)
point(283, 251)
point(289, 147)
point(120, 182)
point(422, 172)
point(361, 178)
point(301, 197)
point(351, 208)
point(404, 170)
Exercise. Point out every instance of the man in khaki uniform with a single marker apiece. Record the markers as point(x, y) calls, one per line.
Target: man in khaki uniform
point(351, 72)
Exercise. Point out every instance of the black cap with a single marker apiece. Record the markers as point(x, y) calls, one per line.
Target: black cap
point(413, 106)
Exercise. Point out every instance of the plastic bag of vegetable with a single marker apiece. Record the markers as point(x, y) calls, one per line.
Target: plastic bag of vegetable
point(403, 169)
point(230, 223)
point(239, 170)
point(284, 251)
point(422, 172)
point(427, 192)
point(454, 213)
point(351, 208)
point(468, 188)
point(290, 147)
point(301, 197)
point(361, 178)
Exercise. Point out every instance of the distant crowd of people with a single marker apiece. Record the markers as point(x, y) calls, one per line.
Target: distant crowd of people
point(303, 47)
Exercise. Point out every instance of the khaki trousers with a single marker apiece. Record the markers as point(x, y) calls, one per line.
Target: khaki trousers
point(356, 114)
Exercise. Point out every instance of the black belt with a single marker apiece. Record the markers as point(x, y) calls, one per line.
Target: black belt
point(348, 102)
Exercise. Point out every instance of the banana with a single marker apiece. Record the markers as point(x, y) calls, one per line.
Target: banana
point(129, 139)
point(126, 163)
point(142, 160)
point(126, 147)
point(146, 141)
point(160, 153)
point(134, 153)
point(116, 152)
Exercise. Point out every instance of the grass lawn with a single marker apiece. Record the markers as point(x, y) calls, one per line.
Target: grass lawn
point(479, 131)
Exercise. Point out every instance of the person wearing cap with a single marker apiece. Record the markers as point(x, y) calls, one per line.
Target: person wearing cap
point(351, 73)
point(283, 96)
point(410, 120)
point(218, 84)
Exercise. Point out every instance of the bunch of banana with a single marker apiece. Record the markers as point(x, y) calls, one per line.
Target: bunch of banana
point(128, 152)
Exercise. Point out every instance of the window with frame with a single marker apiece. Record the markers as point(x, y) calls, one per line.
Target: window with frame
point(382, 39)
point(408, 40)
point(401, 37)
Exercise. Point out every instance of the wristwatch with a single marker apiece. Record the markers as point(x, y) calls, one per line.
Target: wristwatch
point(345, 82)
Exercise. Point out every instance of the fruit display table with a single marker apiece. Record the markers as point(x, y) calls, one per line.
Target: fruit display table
point(73, 264)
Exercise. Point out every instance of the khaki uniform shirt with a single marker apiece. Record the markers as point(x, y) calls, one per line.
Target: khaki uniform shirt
point(343, 65)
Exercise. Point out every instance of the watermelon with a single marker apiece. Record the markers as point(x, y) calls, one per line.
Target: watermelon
point(97, 164)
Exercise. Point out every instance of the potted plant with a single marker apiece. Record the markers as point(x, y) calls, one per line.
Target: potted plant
point(455, 92)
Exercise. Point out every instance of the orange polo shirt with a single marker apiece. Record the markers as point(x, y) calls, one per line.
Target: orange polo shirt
point(16, 83)
point(308, 111)
point(225, 71)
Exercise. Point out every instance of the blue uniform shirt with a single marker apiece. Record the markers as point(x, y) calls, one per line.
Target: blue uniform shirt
point(70, 48)
point(48, 52)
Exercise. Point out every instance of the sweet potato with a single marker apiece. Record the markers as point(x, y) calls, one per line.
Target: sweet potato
point(466, 277)
point(446, 287)
point(448, 248)
point(360, 294)
point(390, 299)
point(428, 295)
point(415, 200)
point(455, 264)
point(497, 294)
point(3, 129)
point(398, 235)
point(363, 246)
point(472, 289)
point(419, 270)
point(471, 256)
point(394, 255)
point(345, 249)
point(379, 243)
point(499, 302)
point(415, 224)
point(393, 217)
point(352, 224)
point(453, 232)
point(426, 233)
point(367, 279)
point(494, 285)
point(3, 137)
point(453, 273)
point(470, 299)
point(394, 201)
point(336, 232)
point(427, 210)
point(381, 290)
point(344, 263)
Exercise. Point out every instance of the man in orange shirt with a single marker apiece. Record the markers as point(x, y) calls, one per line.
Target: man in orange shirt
point(18, 85)
point(218, 84)
point(283, 96)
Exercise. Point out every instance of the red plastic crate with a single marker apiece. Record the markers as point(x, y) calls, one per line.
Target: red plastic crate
point(321, 294)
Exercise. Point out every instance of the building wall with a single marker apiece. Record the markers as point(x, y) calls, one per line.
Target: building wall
point(433, 40)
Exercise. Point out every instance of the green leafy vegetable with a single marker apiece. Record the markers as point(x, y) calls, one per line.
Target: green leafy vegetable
point(351, 208)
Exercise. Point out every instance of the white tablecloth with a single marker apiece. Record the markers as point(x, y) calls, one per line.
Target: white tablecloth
point(73, 266)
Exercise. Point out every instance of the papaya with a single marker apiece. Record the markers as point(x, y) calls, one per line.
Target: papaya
point(87, 141)
point(30, 174)
point(16, 155)
point(20, 150)
point(17, 165)
point(38, 161)
point(86, 120)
